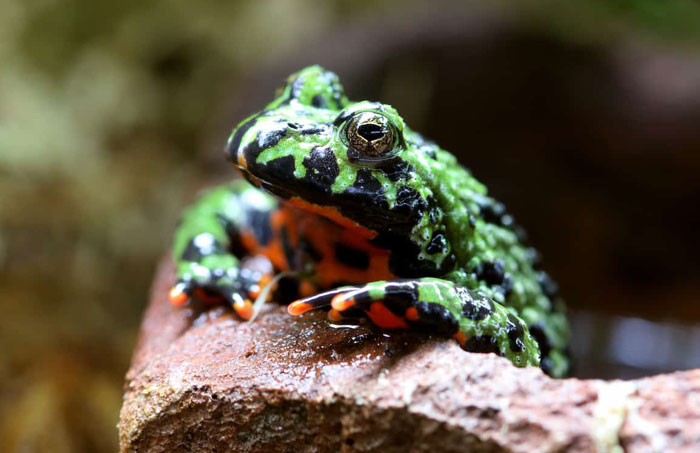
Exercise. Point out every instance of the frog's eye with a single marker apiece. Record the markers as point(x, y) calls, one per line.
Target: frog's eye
point(371, 135)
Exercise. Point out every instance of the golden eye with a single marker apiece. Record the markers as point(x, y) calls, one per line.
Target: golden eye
point(370, 134)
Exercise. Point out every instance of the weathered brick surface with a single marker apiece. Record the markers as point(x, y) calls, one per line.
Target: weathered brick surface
point(204, 381)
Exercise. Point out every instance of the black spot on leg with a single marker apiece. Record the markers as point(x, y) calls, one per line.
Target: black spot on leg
point(399, 295)
point(436, 318)
point(516, 332)
point(352, 257)
point(477, 310)
point(482, 343)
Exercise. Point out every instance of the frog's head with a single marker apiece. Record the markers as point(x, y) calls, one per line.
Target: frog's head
point(354, 163)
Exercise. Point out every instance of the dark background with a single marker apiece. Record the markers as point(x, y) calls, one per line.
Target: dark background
point(584, 120)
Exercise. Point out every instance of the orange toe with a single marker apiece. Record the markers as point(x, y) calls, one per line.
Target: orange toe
point(341, 303)
point(177, 297)
point(244, 308)
point(298, 307)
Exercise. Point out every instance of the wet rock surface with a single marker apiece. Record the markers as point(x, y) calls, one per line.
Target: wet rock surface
point(201, 380)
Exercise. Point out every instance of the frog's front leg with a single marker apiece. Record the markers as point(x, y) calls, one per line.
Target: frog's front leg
point(224, 218)
point(437, 306)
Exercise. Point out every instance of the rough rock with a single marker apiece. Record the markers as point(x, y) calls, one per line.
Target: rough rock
point(201, 380)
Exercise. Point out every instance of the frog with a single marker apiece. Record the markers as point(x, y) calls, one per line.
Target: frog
point(343, 207)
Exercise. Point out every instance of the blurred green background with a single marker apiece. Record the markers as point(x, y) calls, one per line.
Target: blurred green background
point(583, 118)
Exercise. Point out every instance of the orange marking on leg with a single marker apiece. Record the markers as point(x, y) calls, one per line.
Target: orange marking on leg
point(244, 308)
point(384, 318)
point(334, 315)
point(341, 303)
point(177, 297)
point(411, 314)
point(298, 307)
point(461, 338)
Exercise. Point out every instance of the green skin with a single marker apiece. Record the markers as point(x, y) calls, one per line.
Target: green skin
point(453, 247)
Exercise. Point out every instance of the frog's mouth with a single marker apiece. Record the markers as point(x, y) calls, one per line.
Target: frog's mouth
point(363, 211)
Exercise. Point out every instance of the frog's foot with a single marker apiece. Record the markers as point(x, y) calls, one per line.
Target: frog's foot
point(238, 285)
point(435, 306)
point(324, 300)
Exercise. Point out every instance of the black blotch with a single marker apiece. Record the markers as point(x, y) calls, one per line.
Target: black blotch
point(259, 224)
point(515, 334)
point(507, 285)
point(546, 365)
point(438, 244)
point(534, 256)
point(268, 139)
point(482, 343)
point(520, 232)
point(193, 252)
point(310, 250)
point(359, 259)
point(400, 295)
point(365, 201)
point(297, 85)
point(295, 126)
point(235, 142)
point(436, 319)
point(434, 214)
point(411, 204)
point(495, 212)
point(342, 117)
point(395, 169)
point(281, 169)
point(403, 261)
point(287, 247)
point(321, 168)
point(366, 183)
point(537, 331)
point(319, 101)
point(477, 310)
point(265, 139)
point(549, 286)
point(491, 211)
point(287, 290)
point(314, 130)
point(492, 272)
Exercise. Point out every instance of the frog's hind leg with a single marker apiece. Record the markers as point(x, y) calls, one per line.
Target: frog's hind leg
point(436, 306)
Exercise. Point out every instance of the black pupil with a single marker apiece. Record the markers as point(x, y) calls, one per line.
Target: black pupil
point(370, 131)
